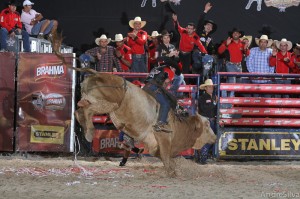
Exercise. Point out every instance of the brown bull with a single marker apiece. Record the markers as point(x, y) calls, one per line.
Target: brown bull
point(135, 112)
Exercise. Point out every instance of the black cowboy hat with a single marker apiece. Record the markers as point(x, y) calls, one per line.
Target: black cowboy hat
point(266, 30)
point(214, 25)
point(236, 30)
point(166, 33)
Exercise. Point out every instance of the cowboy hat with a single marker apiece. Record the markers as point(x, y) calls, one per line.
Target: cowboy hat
point(207, 82)
point(155, 34)
point(284, 41)
point(236, 30)
point(214, 28)
point(137, 19)
point(103, 37)
point(166, 33)
point(118, 37)
point(297, 45)
point(247, 37)
point(264, 37)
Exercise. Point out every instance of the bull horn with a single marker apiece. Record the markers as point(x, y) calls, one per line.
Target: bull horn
point(83, 103)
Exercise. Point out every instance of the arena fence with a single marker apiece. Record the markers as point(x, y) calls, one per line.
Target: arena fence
point(262, 120)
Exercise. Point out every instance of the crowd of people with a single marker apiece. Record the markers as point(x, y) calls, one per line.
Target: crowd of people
point(28, 23)
point(140, 52)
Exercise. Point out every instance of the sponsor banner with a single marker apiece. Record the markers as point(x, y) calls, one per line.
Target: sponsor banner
point(7, 94)
point(264, 144)
point(106, 141)
point(47, 134)
point(46, 89)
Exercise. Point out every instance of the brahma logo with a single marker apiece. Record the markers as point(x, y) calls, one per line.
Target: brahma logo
point(52, 101)
point(50, 70)
point(55, 101)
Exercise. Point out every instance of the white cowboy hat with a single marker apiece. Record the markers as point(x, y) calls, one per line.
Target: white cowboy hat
point(284, 41)
point(103, 37)
point(264, 37)
point(118, 37)
point(297, 45)
point(137, 19)
point(248, 37)
point(155, 34)
point(207, 82)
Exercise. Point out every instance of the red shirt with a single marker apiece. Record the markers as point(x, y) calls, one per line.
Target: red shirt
point(295, 58)
point(280, 65)
point(152, 50)
point(127, 55)
point(10, 20)
point(235, 49)
point(187, 42)
point(138, 44)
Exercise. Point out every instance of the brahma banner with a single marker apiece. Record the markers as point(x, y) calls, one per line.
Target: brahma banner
point(46, 89)
point(7, 95)
point(106, 141)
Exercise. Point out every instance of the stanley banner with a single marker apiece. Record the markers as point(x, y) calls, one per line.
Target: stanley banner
point(46, 91)
point(7, 95)
point(261, 144)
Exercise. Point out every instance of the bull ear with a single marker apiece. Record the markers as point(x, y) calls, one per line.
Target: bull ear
point(83, 103)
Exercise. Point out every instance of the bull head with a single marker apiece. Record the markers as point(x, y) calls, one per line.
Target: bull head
point(207, 135)
point(84, 117)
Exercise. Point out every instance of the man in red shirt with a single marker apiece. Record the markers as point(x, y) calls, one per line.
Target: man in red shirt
point(11, 26)
point(123, 53)
point(235, 49)
point(189, 39)
point(136, 40)
point(296, 59)
point(152, 49)
point(282, 60)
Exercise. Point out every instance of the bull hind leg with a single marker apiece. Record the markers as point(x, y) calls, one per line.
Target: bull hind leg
point(164, 143)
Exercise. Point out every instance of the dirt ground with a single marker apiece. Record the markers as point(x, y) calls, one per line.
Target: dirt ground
point(62, 177)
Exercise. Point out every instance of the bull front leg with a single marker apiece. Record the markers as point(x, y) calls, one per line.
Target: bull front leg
point(164, 144)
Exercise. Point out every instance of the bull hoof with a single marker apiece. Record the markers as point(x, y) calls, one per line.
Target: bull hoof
point(89, 137)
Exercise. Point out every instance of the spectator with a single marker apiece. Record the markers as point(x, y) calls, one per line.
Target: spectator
point(235, 49)
point(11, 25)
point(247, 40)
point(188, 40)
point(207, 107)
point(123, 53)
point(282, 61)
point(136, 40)
point(152, 49)
point(205, 28)
point(34, 22)
point(258, 60)
point(104, 56)
point(296, 59)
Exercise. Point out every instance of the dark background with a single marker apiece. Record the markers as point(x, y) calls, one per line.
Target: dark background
point(83, 20)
